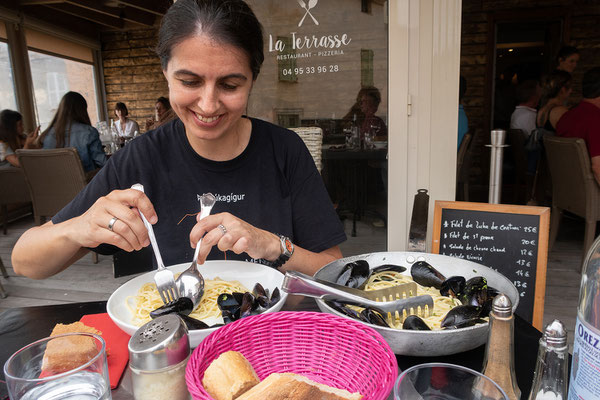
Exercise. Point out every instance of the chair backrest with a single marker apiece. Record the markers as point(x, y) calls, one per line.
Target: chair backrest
point(461, 168)
point(14, 187)
point(516, 140)
point(313, 138)
point(54, 177)
point(573, 185)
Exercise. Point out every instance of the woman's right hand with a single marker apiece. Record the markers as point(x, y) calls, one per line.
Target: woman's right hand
point(128, 231)
point(31, 140)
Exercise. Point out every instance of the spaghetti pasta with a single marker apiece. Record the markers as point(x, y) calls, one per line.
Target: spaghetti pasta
point(441, 304)
point(148, 299)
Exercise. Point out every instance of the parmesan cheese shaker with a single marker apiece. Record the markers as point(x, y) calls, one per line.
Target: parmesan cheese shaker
point(499, 361)
point(158, 355)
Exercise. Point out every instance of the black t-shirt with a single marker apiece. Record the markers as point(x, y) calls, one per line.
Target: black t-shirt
point(273, 185)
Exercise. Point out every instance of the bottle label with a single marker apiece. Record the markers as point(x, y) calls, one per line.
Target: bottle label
point(585, 369)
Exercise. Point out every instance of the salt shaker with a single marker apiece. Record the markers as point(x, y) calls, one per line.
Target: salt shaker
point(158, 355)
point(551, 369)
point(499, 361)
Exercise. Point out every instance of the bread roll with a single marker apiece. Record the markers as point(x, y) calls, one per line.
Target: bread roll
point(64, 354)
point(288, 386)
point(230, 375)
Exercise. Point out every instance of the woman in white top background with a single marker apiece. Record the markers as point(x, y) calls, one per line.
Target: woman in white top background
point(125, 126)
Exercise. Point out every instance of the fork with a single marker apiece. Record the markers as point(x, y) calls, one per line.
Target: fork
point(164, 278)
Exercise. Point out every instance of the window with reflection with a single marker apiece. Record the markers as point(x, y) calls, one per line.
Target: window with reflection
point(7, 85)
point(326, 66)
point(53, 77)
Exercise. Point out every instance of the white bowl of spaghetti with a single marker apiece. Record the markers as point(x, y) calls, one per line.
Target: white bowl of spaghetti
point(129, 306)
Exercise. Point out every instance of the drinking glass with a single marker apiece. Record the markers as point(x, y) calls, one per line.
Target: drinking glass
point(26, 380)
point(440, 381)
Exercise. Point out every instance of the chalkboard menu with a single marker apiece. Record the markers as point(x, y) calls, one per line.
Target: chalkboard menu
point(512, 240)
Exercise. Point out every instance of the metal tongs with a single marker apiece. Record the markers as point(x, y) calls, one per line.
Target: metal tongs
point(392, 300)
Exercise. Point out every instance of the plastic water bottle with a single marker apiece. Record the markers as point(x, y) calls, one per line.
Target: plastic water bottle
point(585, 368)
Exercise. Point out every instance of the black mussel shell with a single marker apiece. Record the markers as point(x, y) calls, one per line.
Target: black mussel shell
point(192, 323)
point(182, 305)
point(342, 308)
point(415, 323)
point(453, 286)
point(388, 267)
point(462, 316)
point(238, 296)
point(373, 317)
point(354, 274)
point(425, 275)
point(475, 292)
point(275, 297)
point(229, 306)
point(261, 295)
point(247, 305)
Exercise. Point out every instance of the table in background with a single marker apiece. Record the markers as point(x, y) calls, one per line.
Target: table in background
point(21, 326)
point(349, 169)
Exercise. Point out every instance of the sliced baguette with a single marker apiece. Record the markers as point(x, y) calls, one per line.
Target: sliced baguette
point(64, 354)
point(228, 376)
point(289, 386)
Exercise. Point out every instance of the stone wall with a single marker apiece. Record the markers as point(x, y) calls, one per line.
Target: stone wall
point(132, 72)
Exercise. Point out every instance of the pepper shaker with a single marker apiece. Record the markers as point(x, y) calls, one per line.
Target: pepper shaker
point(499, 361)
point(158, 354)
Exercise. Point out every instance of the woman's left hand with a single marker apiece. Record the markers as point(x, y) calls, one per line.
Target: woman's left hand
point(31, 141)
point(229, 232)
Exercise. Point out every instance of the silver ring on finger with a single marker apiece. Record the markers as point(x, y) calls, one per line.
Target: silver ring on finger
point(222, 228)
point(111, 223)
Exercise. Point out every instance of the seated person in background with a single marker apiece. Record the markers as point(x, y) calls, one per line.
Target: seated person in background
point(528, 96)
point(162, 113)
point(368, 100)
point(463, 121)
point(583, 121)
point(567, 59)
point(556, 89)
point(71, 127)
point(125, 127)
point(12, 137)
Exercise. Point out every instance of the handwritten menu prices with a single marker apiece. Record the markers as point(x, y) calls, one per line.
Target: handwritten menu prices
point(505, 242)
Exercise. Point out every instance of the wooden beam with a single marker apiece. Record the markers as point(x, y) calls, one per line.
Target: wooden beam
point(111, 22)
point(125, 13)
point(156, 7)
point(38, 2)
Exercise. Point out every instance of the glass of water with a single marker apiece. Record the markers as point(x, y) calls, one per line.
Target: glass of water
point(75, 370)
point(440, 381)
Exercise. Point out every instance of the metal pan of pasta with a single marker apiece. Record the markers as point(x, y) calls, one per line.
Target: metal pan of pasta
point(132, 303)
point(461, 290)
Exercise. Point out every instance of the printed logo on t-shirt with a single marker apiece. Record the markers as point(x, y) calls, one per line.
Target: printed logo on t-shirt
point(227, 198)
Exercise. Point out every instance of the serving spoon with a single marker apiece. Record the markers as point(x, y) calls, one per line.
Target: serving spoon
point(191, 282)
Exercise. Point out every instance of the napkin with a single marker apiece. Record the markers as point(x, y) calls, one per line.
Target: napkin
point(116, 344)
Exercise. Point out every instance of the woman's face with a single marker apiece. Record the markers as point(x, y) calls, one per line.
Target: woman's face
point(209, 85)
point(568, 64)
point(118, 113)
point(160, 109)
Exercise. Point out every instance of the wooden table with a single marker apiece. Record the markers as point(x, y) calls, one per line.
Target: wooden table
point(21, 326)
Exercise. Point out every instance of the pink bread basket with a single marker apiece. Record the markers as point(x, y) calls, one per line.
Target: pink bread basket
point(328, 349)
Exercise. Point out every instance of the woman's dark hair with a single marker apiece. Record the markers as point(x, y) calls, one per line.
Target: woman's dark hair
point(370, 91)
point(227, 21)
point(565, 52)
point(72, 108)
point(122, 107)
point(8, 128)
point(590, 85)
point(165, 102)
point(553, 83)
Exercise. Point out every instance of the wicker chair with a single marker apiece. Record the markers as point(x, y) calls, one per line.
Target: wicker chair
point(14, 191)
point(574, 188)
point(54, 178)
point(313, 138)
